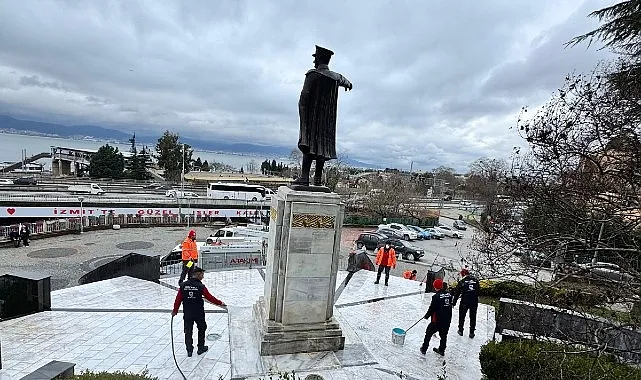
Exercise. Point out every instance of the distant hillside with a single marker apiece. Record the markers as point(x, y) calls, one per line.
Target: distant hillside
point(12, 125)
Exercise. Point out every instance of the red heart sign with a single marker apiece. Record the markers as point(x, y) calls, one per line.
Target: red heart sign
point(11, 210)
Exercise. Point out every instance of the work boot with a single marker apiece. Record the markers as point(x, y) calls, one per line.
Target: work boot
point(460, 332)
point(422, 351)
point(202, 350)
point(472, 334)
point(386, 284)
point(442, 353)
point(189, 353)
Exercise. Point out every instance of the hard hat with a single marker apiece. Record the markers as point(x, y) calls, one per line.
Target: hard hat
point(438, 284)
point(192, 233)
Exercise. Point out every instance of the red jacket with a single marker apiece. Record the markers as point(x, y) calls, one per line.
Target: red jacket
point(391, 257)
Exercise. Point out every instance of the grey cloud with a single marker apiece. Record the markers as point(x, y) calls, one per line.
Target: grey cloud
point(434, 82)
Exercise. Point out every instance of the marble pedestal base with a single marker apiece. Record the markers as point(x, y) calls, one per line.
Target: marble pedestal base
point(278, 339)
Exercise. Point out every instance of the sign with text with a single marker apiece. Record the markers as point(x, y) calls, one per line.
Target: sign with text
point(70, 212)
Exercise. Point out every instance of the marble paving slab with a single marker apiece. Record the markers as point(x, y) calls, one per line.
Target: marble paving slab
point(240, 287)
point(373, 323)
point(137, 334)
point(361, 288)
point(103, 341)
point(120, 293)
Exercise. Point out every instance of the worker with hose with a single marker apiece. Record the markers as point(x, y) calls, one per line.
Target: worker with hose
point(191, 295)
point(440, 316)
point(189, 256)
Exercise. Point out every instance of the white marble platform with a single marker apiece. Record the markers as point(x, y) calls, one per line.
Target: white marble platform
point(122, 293)
point(137, 334)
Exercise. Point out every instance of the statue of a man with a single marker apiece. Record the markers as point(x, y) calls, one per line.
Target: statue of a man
point(317, 111)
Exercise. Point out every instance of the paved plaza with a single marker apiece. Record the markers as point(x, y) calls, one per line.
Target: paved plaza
point(125, 324)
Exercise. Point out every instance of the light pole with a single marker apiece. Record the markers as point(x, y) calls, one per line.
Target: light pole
point(82, 214)
point(182, 173)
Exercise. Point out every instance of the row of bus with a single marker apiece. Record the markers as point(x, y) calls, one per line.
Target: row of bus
point(239, 191)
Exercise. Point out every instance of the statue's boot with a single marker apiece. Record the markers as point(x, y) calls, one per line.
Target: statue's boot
point(303, 180)
point(318, 174)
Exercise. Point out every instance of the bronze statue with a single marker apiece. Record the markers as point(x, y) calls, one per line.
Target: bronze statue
point(317, 111)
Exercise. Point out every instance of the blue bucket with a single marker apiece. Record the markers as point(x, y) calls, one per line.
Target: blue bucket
point(398, 336)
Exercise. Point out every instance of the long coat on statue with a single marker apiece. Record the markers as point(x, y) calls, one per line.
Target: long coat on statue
point(317, 111)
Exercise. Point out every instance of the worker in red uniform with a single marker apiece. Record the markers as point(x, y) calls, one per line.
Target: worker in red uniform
point(191, 295)
point(410, 275)
point(385, 259)
point(189, 256)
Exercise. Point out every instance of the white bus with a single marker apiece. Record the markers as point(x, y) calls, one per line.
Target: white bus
point(240, 191)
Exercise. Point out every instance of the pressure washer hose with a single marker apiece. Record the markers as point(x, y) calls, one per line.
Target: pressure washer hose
point(173, 351)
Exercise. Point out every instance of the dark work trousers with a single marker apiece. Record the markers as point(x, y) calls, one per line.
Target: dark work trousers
point(432, 329)
point(380, 270)
point(187, 271)
point(189, 332)
point(461, 316)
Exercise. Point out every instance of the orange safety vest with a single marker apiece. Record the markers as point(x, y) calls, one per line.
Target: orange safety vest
point(189, 250)
point(409, 275)
point(391, 258)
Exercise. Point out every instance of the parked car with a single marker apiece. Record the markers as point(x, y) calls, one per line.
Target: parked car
point(448, 231)
point(390, 233)
point(156, 186)
point(435, 234)
point(406, 232)
point(405, 249)
point(370, 240)
point(606, 271)
point(25, 181)
point(422, 234)
point(172, 193)
point(536, 258)
point(459, 225)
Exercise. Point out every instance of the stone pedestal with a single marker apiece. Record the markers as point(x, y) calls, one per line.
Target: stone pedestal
point(296, 313)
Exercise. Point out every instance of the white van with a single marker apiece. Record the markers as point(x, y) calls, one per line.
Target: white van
point(91, 188)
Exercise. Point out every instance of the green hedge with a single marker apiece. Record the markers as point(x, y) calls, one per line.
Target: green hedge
point(118, 375)
point(365, 220)
point(530, 360)
point(564, 298)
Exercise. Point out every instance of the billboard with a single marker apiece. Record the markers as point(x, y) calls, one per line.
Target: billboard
point(76, 211)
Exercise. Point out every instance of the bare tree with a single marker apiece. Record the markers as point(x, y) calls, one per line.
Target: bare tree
point(391, 196)
point(570, 218)
point(484, 182)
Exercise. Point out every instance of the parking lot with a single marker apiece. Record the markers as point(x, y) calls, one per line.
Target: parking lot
point(446, 252)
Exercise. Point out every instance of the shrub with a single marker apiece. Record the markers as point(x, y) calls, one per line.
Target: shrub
point(530, 360)
point(118, 375)
point(545, 295)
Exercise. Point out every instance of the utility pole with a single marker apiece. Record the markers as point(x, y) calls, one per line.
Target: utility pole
point(182, 173)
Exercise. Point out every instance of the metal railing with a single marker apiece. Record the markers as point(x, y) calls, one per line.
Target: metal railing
point(218, 261)
point(72, 225)
point(102, 199)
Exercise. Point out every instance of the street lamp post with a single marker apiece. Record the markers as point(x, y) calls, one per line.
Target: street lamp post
point(82, 214)
point(182, 173)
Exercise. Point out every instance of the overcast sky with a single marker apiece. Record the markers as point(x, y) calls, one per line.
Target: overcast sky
point(435, 82)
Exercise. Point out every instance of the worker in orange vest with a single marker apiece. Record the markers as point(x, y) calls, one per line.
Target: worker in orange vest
point(189, 256)
point(410, 275)
point(385, 259)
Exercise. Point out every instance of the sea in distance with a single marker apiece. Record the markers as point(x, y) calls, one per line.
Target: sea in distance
point(12, 145)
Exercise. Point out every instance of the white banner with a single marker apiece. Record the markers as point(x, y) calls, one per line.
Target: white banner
point(70, 212)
